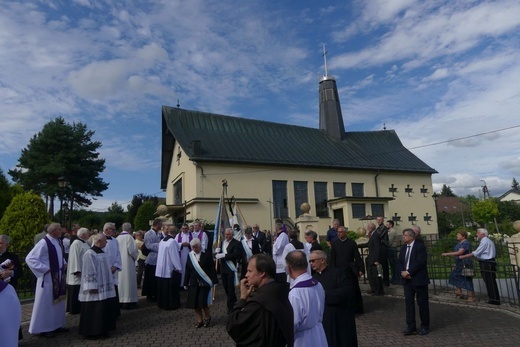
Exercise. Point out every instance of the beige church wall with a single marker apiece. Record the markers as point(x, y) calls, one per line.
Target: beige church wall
point(251, 182)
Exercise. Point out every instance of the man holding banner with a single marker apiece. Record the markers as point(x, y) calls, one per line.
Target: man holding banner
point(229, 252)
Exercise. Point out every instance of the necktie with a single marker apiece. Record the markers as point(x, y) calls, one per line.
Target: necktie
point(407, 256)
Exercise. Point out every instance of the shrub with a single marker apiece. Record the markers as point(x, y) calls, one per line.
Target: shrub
point(24, 217)
point(144, 215)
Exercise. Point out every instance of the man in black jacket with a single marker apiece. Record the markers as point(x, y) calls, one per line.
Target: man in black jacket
point(229, 253)
point(260, 237)
point(263, 316)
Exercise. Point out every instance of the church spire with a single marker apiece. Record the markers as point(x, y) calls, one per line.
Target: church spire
point(331, 119)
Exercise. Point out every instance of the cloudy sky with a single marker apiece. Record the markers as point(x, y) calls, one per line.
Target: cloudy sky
point(443, 74)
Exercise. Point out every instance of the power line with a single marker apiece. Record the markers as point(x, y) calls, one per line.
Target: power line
point(466, 137)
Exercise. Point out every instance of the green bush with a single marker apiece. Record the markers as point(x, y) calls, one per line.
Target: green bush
point(24, 217)
point(144, 215)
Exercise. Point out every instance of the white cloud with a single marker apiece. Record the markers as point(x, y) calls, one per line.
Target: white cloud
point(428, 32)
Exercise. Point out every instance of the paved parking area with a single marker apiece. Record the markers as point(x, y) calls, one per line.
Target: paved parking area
point(453, 323)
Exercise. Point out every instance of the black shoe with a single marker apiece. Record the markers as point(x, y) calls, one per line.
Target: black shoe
point(424, 331)
point(62, 330)
point(493, 302)
point(410, 331)
point(207, 322)
point(199, 325)
point(48, 335)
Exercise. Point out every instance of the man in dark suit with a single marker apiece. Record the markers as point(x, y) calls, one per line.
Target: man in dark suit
point(229, 253)
point(260, 237)
point(414, 277)
point(13, 271)
point(250, 247)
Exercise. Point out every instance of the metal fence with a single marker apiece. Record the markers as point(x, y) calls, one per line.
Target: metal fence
point(439, 269)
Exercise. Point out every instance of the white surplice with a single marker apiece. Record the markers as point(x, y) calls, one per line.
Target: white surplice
point(46, 315)
point(308, 304)
point(76, 252)
point(168, 259)
point(127, 278)
point(278, 249)
point(96, 274)
point(10, 317)
point(114, 255)
point(184, 251)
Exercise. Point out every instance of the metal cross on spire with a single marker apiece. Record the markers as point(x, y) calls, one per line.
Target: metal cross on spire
point(325, 59)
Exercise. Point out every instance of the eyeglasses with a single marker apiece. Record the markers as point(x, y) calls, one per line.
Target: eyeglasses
point(313, 260)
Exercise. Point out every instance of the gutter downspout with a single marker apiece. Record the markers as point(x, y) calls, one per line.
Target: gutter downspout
point(375, 182)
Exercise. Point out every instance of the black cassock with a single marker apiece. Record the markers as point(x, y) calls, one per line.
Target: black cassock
point(345, 255)
point(338, 317)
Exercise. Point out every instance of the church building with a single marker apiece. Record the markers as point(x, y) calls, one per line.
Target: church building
point(272, 169)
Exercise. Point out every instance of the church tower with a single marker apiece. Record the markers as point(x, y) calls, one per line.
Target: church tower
point(331, 119)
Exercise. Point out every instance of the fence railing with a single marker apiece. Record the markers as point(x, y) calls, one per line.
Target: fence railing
point(439, 269)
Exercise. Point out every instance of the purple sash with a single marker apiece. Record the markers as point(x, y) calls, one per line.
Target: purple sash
point(311, 282)
point(58, 286)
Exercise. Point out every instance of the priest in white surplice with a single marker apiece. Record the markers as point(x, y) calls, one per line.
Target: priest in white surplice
point(307, 298)
point(127, 277)
point(183, 240)
point(97, 291)
point(46, 263)
point(77, 249)
point(112, 250)
point(168, 272)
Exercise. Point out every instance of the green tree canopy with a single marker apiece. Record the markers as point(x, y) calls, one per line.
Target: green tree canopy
point(144, 215)
point(62, 150)
point(137, 201)
point(446, 191)
point(116, 214)
point(24, 218)
point(485, 211)
point(5, 193)
point(515, 185)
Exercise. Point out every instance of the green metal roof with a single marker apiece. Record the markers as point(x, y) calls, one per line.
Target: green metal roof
point(241, 140)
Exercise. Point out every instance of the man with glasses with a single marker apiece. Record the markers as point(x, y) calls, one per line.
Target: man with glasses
point(338, 317)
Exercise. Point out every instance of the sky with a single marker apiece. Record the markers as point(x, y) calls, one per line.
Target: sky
point(443, 74)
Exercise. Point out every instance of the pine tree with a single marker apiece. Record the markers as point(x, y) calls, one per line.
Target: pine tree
point(62, 150)
point(515, 185)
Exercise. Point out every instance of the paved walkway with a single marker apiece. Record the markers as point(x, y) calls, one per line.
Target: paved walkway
point(453, 323)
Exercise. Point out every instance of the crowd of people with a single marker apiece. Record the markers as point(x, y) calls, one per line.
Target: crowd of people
point(291, 293)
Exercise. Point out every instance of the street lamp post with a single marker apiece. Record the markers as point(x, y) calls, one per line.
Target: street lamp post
point(435, 197)
point(62, 183)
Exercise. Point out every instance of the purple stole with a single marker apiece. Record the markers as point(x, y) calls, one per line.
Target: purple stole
point(190, 236)
point(311, 282)
point(58, 286)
